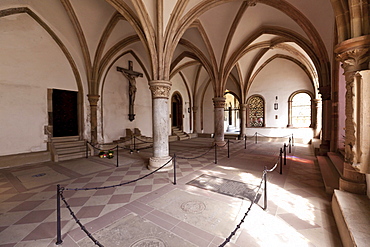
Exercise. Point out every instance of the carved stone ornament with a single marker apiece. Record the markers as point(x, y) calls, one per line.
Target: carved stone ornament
point(354, 60)
point(219, 102)
point(93, 99)
point(160, 89)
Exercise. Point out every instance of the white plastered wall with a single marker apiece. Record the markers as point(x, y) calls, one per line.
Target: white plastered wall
point(279, 78)
point(30, 63)
point(115, 103)
point(208, 111)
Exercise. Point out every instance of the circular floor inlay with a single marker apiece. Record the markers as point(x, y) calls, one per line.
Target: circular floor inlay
point(149, 242)
point(194, 207)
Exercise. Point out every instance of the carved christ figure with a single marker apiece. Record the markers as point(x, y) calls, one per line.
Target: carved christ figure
point(131, 75)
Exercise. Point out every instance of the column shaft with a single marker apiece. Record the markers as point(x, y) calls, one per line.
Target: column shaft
point(160, 94)
point(219, 114)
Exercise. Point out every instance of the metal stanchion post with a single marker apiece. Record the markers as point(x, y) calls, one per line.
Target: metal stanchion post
point(134, 143)
point(255, 138)
point(59, 229)
point(290, 145)
point(245, 141)
point(284, 154)
point(215, 153)
point(281, 161)
point(174, 169)
point(117, 155)
point(265, 192)
point(87, 152)
point(292, 140)
point(228, 148)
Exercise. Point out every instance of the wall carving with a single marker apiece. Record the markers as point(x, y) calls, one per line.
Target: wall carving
point(160, 89)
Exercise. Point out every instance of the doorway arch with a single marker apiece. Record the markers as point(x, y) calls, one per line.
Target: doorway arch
point(176, 110)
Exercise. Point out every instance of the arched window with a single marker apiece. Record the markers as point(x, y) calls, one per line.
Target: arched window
point(300, 107)
point(256, 111)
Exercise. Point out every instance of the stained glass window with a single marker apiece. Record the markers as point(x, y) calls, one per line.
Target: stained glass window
point(256, 111)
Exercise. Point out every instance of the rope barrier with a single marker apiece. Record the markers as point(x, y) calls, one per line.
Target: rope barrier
point(83, 228)
point(60, 190)
point(263, 180)
point(196, 157)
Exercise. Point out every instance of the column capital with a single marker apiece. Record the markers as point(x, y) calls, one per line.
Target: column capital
point(93, 99)
point(354, 54)
point(195, 109)
point(219, 102)
point(160, 88)
point(243, 107)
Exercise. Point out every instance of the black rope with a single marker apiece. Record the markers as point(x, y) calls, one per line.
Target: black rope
point(83, 228)
point(245, 215)
point(137, 138)
point(275, 136)
point(196, 157)
point(124, 183)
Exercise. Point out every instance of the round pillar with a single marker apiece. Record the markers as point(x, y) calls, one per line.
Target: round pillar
point(243, 122)
point(219, 104)
point(93, 100)
point(160, 94)
point(195, 110)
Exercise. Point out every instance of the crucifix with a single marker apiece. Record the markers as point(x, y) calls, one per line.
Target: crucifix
point(130, 74)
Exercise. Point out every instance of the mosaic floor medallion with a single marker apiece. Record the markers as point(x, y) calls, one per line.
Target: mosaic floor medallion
point(149, 242)
point(194, 207)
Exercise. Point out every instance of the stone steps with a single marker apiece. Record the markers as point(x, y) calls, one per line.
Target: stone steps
point(338, 161)
point(352, 215)
point(329, 174)
point(180, 134)
point(67, 148)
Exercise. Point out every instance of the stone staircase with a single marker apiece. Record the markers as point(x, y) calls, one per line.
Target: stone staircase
point(346, 207)
point(331, 167)
point(67, 148)
point(181, 135)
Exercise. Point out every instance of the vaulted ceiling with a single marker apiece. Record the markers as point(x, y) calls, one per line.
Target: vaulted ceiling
point(218, 42)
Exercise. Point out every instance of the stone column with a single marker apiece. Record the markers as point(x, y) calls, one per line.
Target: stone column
point(195, 110)
point(316, 116)
point(160, 93)
point(93, 100)
point(243, 119)
point(219, 115)
point(353, 59)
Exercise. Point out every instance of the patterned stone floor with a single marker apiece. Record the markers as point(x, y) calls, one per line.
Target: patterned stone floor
point(155, 212)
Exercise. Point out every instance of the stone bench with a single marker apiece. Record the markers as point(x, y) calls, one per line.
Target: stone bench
point(352, 215)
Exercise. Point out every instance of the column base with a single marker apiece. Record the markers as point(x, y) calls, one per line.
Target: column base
point(156, 162)
point(220, 144)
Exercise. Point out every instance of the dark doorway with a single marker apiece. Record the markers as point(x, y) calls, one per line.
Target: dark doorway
point(65, 118)
point(177, 110)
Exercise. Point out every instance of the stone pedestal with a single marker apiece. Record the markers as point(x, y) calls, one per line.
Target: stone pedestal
point(160, 93)
point(219, 104)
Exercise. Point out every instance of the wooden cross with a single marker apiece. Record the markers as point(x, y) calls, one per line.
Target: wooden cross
point(130, 74)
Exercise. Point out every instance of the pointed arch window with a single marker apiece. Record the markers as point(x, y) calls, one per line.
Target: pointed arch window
point(256, 111)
